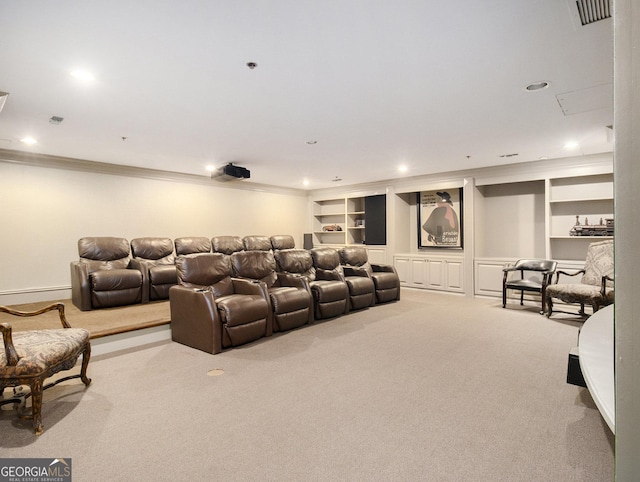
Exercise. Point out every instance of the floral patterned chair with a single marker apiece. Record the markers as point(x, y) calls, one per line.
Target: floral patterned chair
point(595, 287)
point(30, 357)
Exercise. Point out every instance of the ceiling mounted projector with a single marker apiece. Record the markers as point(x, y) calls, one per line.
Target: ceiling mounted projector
point(231, 172)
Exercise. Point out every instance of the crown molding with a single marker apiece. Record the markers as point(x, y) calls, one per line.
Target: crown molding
point(81, 165)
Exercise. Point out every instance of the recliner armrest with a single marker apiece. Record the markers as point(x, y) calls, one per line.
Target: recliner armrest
point(353, 271)
point(293, 280)
point(383, 268)
point(142, 266)
point(195, 320)
point(244, 286)
point(80, 286)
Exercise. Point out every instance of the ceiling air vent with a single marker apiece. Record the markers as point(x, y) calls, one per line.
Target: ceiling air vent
point(591, 11)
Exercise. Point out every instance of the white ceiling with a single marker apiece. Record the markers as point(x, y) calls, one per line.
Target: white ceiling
point(436, 86)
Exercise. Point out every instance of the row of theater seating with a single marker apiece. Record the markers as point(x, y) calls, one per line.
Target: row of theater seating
point(229, 290)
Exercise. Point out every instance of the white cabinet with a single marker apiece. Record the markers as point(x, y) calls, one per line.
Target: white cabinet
point(430, 272)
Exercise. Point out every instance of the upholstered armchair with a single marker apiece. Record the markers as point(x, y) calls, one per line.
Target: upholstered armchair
point(539, 273)
point(360, 286)
point(192, 245)
point(227, 244)
point(329, 290)
point(30, 357)
point(596, 285)
point(211, 310)
point(154, 258)
point(385, 278)
point(102, 277)
point(290, 296)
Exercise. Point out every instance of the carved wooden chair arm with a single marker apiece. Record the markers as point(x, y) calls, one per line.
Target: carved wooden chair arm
point(566, 273)
point(51, 307)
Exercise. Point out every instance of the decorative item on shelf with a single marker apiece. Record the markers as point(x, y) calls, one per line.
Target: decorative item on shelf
point(359, 223)
point(332, 227)
point(603, 228)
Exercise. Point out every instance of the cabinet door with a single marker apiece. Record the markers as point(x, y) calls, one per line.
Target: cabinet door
point(455, 275)
point(419, 273)
point(403, 268)
point(436, 274)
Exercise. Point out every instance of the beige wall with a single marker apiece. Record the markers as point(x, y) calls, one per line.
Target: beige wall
point(44, 211)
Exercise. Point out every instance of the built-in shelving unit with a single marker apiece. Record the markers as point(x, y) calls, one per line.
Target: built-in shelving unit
point(342, 221)
point(585, 199)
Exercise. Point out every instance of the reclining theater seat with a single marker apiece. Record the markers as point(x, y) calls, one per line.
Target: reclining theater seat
point(210, 310)
point(282, 241)
point(227, 244)
point(192, 245)
point(257, 243)
point(385, 278)
point(326, 261)
point(330, 292)
point(155, 259)
point(102, 277)
point(290, 297)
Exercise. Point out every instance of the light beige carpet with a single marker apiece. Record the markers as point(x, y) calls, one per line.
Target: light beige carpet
point(432, 388)
point(102, 322)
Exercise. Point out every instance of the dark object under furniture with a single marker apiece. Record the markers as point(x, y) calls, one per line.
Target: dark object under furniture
point(30, 357)
point(574, 372)
point(544, 269)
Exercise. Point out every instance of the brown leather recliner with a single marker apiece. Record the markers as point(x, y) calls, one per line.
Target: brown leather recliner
point(329, 290)
point(227, 244)
point(102, 278)
point(361, 288)
point(192, 245)
point(282, 241)
point(211, 310)
point(385, 278)
point(257, 243)
point(155, 259)
point(290, 297)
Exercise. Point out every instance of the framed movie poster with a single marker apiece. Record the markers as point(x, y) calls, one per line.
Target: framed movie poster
point(440, 218)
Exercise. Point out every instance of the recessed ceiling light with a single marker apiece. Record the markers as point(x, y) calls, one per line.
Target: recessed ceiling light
point(533, 86)
point(57, 120)
point(571, 145)
point(305, 182)
point(210, 168)
point(403, 168)
point(82, 75)
point(509, 155)
point(252, 65)
point(336, 179)
point(312, 142)
point(28, 140)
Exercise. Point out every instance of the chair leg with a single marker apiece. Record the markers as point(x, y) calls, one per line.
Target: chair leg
point(504, 296)
point(86, 356)
point(36, 405)
point(521, 298)
point(581, 309)
point(549, 307)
